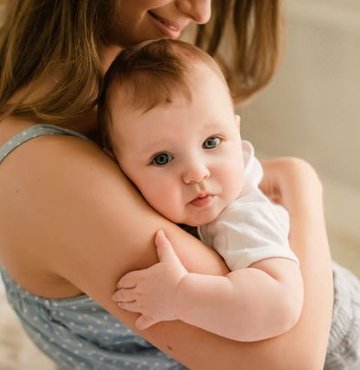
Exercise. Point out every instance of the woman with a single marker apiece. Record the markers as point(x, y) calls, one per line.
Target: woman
point(66, 207)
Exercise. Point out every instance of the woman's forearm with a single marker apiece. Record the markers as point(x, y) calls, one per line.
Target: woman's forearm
point(301, 194)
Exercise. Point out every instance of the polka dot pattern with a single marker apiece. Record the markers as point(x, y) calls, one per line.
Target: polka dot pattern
point(78, 334)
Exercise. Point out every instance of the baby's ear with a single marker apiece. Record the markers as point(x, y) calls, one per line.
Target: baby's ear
point(237, 120)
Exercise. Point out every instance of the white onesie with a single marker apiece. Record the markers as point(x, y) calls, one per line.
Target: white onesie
point(251, 228)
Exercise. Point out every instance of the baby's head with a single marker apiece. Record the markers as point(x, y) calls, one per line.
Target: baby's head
point(167, 116)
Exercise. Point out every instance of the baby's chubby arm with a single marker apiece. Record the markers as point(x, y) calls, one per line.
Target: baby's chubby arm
point(254, 303)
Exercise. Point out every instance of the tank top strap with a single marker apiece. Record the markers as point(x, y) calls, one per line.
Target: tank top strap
point(33, 132)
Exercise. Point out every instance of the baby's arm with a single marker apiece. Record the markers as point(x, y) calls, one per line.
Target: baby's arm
point(248, 304)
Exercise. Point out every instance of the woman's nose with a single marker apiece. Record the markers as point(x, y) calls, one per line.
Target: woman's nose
point(196, 173)
point(198, 10)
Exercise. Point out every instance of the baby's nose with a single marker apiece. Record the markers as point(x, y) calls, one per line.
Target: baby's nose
point(196, 173)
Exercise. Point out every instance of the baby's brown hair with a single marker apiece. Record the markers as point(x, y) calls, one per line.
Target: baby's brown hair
point(148, 75)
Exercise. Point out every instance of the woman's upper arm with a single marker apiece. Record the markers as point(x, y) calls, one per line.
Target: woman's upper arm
point(91, 226)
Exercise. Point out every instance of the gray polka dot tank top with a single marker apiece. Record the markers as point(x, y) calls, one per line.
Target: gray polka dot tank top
point(77, 333)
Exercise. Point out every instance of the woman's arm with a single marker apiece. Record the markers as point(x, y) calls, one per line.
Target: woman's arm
point(89, 226)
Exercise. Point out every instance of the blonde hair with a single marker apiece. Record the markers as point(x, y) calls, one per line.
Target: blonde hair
point(58, 42)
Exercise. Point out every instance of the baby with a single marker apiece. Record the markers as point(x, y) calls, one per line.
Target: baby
point(168, 119)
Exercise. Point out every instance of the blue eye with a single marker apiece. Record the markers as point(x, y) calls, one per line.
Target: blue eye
point(161, 159)
point(211, 142)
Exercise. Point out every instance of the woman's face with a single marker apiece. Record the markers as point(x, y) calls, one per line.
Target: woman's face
point(140, 20)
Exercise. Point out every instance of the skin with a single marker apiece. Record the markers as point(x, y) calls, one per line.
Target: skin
point(140, 20)
point(140, 139)
point(185, 157)
point(64, 234)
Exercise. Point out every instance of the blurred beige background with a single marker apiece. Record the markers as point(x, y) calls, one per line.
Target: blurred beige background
point(312, 110)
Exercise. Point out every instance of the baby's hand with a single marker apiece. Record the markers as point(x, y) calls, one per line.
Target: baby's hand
point(152, 291)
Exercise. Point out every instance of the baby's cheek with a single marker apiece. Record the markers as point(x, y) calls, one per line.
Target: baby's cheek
point(154, 195)
point(166, 201)
point(235, 179)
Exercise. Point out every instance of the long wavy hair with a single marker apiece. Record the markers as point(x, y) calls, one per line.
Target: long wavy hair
point(57, 41)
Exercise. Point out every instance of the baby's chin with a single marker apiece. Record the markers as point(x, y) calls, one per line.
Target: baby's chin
point(198, 223)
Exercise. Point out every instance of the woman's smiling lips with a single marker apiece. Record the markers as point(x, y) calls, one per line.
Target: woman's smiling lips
point(168, 28)
point(202, 200)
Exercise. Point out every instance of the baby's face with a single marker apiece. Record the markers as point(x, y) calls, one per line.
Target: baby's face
point(185, 157)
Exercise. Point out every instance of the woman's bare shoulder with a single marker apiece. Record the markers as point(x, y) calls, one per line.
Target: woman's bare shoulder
point(64, 196)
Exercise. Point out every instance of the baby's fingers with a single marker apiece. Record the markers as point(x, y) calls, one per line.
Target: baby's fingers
point(129, 306)
point(144, 322)
point(124, 295)
point(130, 279)
point(165, 249)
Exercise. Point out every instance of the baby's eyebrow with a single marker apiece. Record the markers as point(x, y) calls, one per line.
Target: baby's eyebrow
point(156, 146)
point(213, 128)
point(149, 150)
